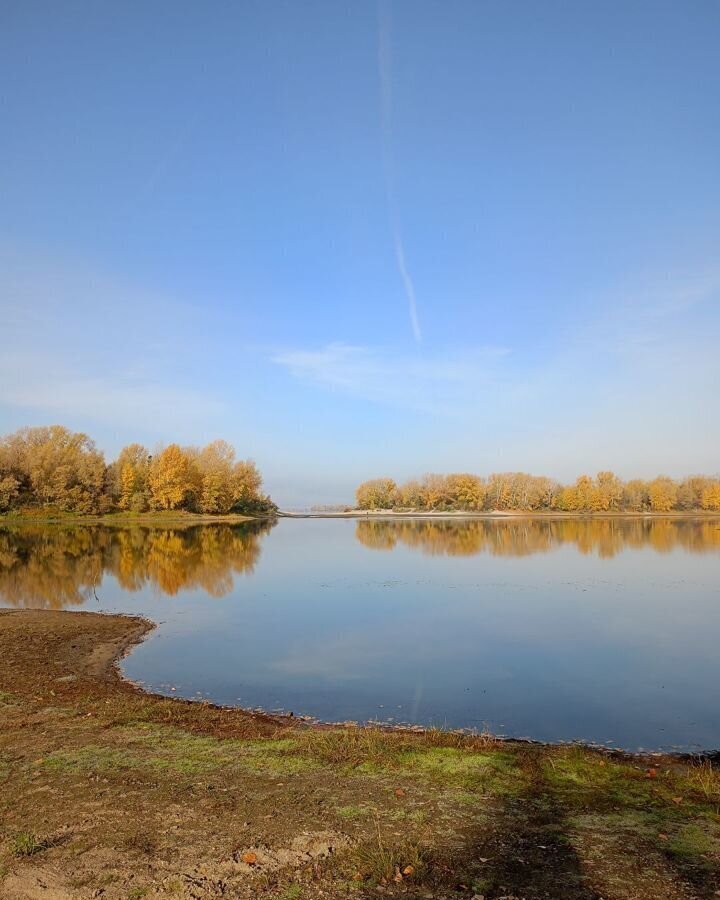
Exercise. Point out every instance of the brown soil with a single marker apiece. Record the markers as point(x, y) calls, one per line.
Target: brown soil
point(106, 791)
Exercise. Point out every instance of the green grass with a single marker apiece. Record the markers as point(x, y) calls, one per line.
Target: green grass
point(172, 750)
point(7, 699)
point(27, 843)
point(292, 892)
point(137, 893)
point(704, 780)
point(493, 772)
point(355, 746)
point(380, 861)
point(352, 812)
point(581, 778)
point(692, 841)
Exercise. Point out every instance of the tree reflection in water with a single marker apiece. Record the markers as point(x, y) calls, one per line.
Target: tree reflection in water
point(604, 537)
point(54, 567)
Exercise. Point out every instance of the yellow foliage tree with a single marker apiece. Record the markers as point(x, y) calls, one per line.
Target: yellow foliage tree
point(662, 492)
point(711, 497)
point(379, 493)
point(174, 479)
point(467, 491)
point(133, 466)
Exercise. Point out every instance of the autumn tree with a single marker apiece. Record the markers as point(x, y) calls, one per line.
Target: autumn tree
point(216, 463)
point(9, 491)
point(466, 491)
point(246, 483)
point(174, 479)
point(53, 467)
point(410, 494)
point(662, 493)
point(711, 497)
point(635, 496)
point(132, 469)
point(691, 490)
point(435, 492)
point(609, 491)
point(379, 493)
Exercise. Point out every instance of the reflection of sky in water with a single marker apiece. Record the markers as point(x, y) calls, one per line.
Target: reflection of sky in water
point(555, 634)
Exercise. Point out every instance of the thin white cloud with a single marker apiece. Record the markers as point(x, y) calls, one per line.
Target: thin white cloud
point(443, 383)
point(386, 104)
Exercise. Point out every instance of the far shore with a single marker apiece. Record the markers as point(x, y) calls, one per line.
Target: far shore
point(183, 519)
point(497, 514)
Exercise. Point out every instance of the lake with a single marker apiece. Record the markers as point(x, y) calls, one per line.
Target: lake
point(602, 630)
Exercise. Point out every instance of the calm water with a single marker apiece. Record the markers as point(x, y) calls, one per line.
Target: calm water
point(603, 630)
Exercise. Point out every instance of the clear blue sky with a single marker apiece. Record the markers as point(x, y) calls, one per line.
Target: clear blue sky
point(359, 239)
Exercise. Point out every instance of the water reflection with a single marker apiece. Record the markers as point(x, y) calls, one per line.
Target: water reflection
point(601, 629)
point(522, 537)
point(52, 567)
point(55, 567)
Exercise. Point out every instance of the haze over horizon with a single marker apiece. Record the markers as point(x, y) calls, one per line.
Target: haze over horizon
point(366, 239)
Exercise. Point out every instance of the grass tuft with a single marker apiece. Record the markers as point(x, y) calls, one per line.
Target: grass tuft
point(704, 779)
point(27, 843)
point(380, 862)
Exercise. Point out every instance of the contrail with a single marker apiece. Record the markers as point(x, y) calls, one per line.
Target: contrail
point(384, 71)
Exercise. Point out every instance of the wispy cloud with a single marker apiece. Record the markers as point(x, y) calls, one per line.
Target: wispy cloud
point(442, 383)
point(386, 106)
point(630, 386)
point(650, 317)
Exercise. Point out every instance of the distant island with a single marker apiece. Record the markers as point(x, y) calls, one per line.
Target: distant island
point(54, 470)
point(519, 492)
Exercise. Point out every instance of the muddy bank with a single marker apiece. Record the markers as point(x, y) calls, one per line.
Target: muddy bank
point(106, 791)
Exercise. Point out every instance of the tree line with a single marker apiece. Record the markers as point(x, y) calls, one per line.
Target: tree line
point(519, 491)
point(53, 467)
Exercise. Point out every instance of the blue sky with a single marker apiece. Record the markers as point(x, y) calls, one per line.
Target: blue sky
point(366, 238)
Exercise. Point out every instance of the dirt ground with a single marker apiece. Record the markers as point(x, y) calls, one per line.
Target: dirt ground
point(106, 791)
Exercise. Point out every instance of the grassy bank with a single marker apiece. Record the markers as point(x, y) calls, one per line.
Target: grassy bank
point(108, 791)
point(158, 519)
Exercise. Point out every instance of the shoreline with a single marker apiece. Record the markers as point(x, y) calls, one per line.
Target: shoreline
point(103, 666)
point(497, 514)
point(169, 518)
point(110, 791)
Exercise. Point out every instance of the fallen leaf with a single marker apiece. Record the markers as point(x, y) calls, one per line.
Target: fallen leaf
point(651, 773)
point(662, 837)
point(399, 792)
point(249, 858)
point(408, 870)
point(677, 799)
